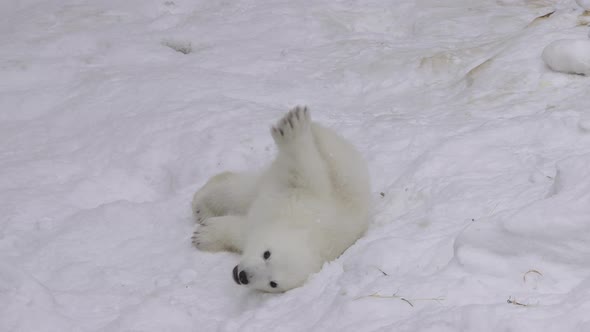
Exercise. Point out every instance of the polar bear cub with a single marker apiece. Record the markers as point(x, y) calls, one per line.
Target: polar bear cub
point(305, 209)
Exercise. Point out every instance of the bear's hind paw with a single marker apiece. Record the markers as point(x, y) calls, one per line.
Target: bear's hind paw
point(295, 123)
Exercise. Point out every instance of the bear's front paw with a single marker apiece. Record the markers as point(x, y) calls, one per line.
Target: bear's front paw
point(204, 238)
point(200, 211)
point(294, 124)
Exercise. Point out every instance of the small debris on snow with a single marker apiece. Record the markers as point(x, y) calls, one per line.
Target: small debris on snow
point(179, 46)
point(513, 301)
point(530, 271)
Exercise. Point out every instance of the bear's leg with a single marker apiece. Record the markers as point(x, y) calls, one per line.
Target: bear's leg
point(299, 162)
point(224, 194)
point(220, 234)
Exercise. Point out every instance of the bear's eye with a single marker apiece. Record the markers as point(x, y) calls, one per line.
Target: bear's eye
point(273, 284)
point(266, 254)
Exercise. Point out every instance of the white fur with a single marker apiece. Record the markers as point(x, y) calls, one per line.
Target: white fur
point(309, 206)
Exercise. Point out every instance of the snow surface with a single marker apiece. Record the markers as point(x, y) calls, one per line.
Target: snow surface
point(585, 4)
point(112, 113)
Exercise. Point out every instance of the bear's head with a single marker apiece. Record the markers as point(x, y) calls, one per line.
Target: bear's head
point(276, 260)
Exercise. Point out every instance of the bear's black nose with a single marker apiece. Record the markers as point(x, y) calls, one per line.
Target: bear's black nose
point(243, 277)
point(236, 279)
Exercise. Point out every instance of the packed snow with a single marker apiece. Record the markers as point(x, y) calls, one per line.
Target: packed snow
point(113, 113)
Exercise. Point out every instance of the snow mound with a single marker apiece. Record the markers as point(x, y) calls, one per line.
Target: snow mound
point(568, 56)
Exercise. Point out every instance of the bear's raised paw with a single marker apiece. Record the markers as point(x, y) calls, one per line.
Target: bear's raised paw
point(294, 124)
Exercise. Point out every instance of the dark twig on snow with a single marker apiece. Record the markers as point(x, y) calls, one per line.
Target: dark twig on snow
point(530, 271)
point(395, 296)
point(513, 301)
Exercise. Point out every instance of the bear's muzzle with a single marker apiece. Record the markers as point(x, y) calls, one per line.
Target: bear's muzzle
point(240, 277)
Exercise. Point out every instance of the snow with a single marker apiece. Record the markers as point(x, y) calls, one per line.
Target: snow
point(568, 56)
point(113, 113)
point(585, 4)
